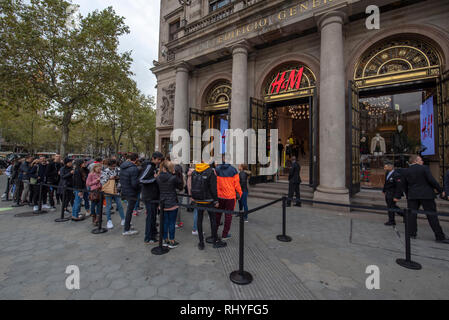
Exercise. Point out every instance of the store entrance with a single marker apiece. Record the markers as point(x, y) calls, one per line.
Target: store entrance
point(219, 120)
point(293, 120)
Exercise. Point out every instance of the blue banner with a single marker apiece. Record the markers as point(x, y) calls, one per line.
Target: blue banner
point(428, 128)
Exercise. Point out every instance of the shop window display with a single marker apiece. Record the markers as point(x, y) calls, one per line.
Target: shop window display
point(394, 127)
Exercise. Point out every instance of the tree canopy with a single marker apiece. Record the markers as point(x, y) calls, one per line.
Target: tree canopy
point(56, 77)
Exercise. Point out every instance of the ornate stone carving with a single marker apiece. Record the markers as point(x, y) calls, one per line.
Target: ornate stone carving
point(168, 105)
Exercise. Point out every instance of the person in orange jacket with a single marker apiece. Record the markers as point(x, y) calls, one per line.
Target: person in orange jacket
point(228, 189)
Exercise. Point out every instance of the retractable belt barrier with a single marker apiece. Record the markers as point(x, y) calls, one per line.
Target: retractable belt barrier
point(242, 277)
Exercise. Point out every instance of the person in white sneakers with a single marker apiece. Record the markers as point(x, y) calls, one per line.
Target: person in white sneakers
point(110, 184)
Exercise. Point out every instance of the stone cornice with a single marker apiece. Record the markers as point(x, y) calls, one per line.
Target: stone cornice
point(173, 13)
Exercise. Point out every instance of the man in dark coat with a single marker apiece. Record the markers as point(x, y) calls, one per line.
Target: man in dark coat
point(420, 187)
point(294, 181)
point(129, 180)
point(150, 193)
point(392, 191)
point(53, 178)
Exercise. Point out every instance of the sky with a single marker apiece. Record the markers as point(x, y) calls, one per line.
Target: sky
point(142, 18)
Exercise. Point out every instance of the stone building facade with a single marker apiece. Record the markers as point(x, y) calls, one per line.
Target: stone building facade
point(337, 91)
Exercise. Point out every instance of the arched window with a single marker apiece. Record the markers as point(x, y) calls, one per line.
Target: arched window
point(397, 60)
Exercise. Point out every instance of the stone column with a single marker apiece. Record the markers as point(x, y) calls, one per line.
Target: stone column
point(240, 101)
point(181, 112)
point(332, 111)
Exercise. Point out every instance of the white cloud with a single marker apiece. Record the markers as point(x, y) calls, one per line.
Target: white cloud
point(142, 17)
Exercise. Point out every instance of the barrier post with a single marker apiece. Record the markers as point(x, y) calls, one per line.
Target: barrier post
point(161, 250)
point(408, 263)
point(40, 211)
point(8, 187)
point(241, 277)
point(283, 237)
point(100, 229)
point(63, 218)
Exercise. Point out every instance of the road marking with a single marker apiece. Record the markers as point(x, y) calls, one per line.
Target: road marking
point(5, 209)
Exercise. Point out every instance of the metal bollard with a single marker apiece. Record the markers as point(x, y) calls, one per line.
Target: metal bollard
point(161, 250)
point(241, 277)
point(284, 237)
point(100, 229)
point(40, 211)
point(408, 263)
point(63, 218)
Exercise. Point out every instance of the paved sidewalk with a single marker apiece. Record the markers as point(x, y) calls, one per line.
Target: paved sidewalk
point(326, 260)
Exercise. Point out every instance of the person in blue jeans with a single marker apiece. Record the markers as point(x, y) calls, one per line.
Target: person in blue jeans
point(120, 210)
point(111, 172)
point(170, 228)
point(169, 182)
point(79, 185)
point(244, 174)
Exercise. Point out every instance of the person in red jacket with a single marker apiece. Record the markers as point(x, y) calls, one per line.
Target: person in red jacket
point(228, 188)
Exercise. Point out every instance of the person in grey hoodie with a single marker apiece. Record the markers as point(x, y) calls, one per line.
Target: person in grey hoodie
point(129, 181)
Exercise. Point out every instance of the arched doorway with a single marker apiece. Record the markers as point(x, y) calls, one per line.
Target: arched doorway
point(289, 104)
point(214, 111)
point(394, 109)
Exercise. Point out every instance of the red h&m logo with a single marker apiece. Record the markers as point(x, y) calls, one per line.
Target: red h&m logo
point(284, 84)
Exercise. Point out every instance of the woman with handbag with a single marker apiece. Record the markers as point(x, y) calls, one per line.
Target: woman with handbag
point(94, 183)
point(110, 183)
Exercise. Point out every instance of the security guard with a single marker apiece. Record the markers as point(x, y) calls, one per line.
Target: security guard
point(392, 191)
point(420, 186)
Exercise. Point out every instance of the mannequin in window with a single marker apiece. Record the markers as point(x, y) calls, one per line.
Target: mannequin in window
point(364, 145)
point(378, 146)
point(400, 141)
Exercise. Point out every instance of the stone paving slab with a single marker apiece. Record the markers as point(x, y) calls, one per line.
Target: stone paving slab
point(326, 260)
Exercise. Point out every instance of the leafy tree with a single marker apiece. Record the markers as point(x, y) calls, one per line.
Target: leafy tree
point(42, 56)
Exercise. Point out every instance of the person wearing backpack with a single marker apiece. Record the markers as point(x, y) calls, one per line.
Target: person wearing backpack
point(204, 195)
point(150, 193)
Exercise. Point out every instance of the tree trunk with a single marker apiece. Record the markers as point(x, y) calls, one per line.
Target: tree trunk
point(66, 120)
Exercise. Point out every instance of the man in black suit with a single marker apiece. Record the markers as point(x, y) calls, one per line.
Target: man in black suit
point(294, 180)
point(420, 187)
point(392, 191)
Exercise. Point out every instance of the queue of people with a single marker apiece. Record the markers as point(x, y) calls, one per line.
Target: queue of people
point(75, 184)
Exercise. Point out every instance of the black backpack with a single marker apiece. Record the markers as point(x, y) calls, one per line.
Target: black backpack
point(200, 185)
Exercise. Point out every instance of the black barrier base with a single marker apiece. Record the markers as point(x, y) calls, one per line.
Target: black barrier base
point(7, 200)
point(283, 238)
point(63, 220)
point(158, 251)
point(99, 231)
point(210, 240)
point(241, 279)
point(409, 264)
point(17, 205)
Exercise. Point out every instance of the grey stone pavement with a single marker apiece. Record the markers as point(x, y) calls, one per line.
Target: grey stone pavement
point(326, 260)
